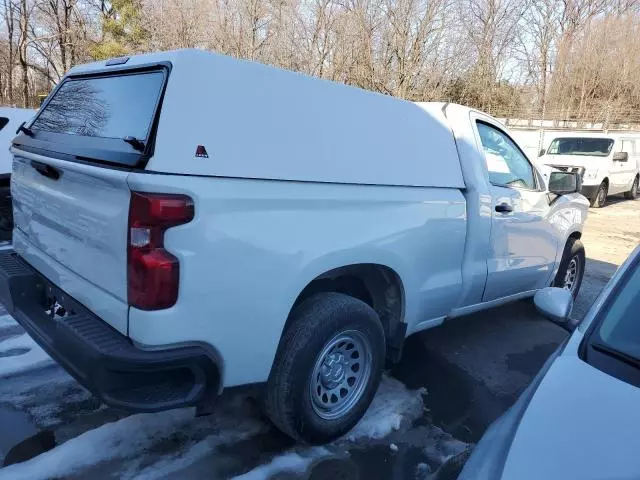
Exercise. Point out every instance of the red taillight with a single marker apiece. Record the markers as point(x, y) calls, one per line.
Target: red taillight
point(153, 273)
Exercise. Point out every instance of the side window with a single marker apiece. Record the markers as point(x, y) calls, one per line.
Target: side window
point(627, 146)
point(507, 165)
point(3, 122)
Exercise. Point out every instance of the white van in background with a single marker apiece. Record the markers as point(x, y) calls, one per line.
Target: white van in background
point(10, 120)
point(610, 164)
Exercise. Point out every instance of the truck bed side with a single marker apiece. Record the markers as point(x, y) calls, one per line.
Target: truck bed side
point(254, 245)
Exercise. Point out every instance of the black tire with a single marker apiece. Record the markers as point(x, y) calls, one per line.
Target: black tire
point(600, 199)
point(633, 193)
point(313, 325)
point(573, 250)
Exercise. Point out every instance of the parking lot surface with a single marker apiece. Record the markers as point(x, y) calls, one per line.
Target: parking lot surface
point(452, 382)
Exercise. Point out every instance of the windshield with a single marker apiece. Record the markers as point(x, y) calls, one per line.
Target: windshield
point(620, 327)
point(597, 147)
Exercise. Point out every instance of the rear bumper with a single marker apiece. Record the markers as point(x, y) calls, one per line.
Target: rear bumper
point(589, 191)
point(102, 359)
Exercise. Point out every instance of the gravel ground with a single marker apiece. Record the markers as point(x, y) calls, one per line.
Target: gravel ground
point(610, 235)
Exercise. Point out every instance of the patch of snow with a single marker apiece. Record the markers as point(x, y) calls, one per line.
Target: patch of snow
point(40, 387)
point(18, 390)
point(290, 462)
point(393, 407)
point(437, 445)
point(67, 401)
point(175, 463)
point(124, 438)
point(7, 321)
point(137, 446)
point(440, 446)
point(34, 358)
point(393, 447)
point(199, 450)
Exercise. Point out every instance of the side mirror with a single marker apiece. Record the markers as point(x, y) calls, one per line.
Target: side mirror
point(555, 304)
point(563, 183)
point(541, 152)
point(620, 157)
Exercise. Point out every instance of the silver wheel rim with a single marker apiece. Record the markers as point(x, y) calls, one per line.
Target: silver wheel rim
point(571, 275)
point(340, 374)
point(602, 195)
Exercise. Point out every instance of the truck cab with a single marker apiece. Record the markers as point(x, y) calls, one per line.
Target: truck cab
point(608, 163)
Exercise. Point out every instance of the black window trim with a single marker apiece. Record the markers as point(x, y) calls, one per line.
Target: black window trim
point(594, 327)
point(534, 170)
point(76, 148)
point(6, 121)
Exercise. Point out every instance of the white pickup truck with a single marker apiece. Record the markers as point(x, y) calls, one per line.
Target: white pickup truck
point(10, 120)
point(609, 164)
point(186, 222)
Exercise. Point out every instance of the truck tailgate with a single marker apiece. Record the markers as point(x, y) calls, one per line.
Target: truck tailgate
point(79, 220)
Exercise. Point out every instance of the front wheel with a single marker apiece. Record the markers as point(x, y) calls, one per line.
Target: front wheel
point(327, 368)
point(601, 196)
point(633, 193)
point(571, 270)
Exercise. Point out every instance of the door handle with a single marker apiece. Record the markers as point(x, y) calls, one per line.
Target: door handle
point(504, 208)
point(46, 170)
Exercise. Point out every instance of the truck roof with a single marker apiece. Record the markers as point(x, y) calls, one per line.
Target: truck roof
point(258, 121)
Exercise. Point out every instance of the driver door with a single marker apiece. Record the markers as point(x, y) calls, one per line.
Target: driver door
point(523, 242)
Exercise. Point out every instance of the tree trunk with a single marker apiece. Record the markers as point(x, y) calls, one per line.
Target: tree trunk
point(22, 49)
point(9, 18)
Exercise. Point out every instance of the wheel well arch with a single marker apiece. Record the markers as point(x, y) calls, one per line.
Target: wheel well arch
point(377, 285)
point(575, 235)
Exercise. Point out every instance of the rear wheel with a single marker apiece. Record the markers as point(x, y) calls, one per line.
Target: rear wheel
point(633, 193)
point(600, 199)
point(327, 368)
point(571, 270)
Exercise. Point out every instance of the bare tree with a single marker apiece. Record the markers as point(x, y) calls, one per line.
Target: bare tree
point(178, 23)
point(9, 14)
point(23, 41)
point(60, 15)
point(491, 27)
point(559, 58)
point(538, 40)
point(410, 37)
